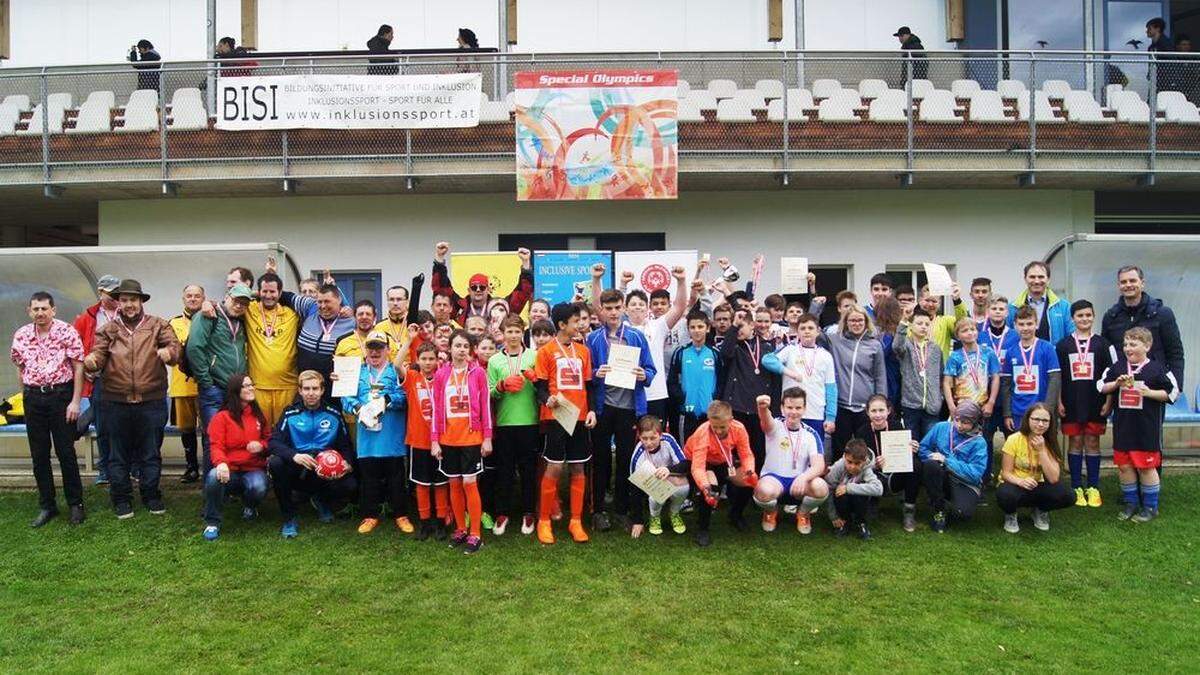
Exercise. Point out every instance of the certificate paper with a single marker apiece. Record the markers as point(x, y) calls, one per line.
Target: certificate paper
point(567, 414)
point(939, 279)
point(347, 369)
point(659, 489)
point(793, 273)
point(897, 451)
point(622, 359)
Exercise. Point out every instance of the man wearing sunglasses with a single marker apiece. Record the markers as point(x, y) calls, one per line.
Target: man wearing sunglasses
point(479, 301)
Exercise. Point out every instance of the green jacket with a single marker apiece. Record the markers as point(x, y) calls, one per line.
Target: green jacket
point(214, 351)
point(513, 408)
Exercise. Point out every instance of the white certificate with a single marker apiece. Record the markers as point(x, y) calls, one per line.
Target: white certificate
point(896, 448)
point(622, 360)
point(567, 414)
point(938, 278)
point(347, 369)
point(659, 489)
point(793, 274)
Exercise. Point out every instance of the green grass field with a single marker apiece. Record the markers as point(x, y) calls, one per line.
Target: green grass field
point(1093, 594)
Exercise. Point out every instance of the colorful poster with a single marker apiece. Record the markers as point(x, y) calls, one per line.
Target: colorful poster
point(587, 134)
point(503, 270)
point(558, 276)
point(652, 269)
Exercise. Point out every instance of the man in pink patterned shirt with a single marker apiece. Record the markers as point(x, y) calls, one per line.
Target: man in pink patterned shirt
point(49, 355)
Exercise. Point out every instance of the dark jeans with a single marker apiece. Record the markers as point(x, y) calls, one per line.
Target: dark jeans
point(46, 421)
point(941, 485)
point(209, 400)
point(383, 477)
point(291, 478)
point(659, 409)
point(852, 508)
point(918, 421)
point(990, 427)
point(614, 424)
point(739, 496)
point(251, 485)
point(1045, 497)
point(844, 425)
point(688, 423)
point(906, 484)
point(134, 430)
point(514, 450)
point(102, 444)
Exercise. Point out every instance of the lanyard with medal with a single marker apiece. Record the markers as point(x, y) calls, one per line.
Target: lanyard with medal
point(922, 355)
point(570, 361)
point(975, 369)
point(374, 379)
point(811, 364)
point(755, 352)
point(793, 445)
point(268, 326)
point(1026, 377)
point(1082, 367)
point(996, 341)
point(327, 328)
point(726, 455)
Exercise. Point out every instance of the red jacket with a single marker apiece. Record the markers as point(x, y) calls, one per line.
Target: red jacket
point(228, 441)
point(85, 325)
point(440, 282)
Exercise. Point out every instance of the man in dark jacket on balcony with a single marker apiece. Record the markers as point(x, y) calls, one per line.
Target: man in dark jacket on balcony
point(380, 45)
point(910, 42)
point(146, 60)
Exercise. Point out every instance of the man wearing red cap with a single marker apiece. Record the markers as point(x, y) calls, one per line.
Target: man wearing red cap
point(479, 300)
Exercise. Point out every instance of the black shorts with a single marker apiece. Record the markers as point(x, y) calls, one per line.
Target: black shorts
point(560, 447)
point(461, 460)
point(423, 468)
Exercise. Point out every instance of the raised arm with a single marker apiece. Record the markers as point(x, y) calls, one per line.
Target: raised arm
point(679, 303)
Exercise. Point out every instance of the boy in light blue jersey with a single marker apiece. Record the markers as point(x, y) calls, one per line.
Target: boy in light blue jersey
point(694, 377)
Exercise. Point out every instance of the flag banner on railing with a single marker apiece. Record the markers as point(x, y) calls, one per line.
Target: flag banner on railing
point(561, 276)
point(652, 269)
point(348, 101)
point(587, 134)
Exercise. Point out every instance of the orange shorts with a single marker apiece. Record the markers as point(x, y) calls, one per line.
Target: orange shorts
point(1138, 459)
point(1072, 429)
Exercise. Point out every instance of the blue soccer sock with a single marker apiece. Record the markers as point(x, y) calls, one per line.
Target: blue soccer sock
point(1075, 464)
point(1093, 470)
point(1130, 490)
point(1150, 496)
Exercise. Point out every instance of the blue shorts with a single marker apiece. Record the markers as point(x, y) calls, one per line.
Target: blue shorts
point(785, 481)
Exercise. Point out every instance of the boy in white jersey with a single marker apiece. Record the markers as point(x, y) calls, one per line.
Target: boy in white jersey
point(809, 367)
point(658, 453)
point(794, 463)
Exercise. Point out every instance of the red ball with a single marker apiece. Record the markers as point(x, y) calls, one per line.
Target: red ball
point(331, 464)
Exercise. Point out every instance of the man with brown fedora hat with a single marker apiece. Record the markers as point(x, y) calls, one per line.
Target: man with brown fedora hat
point(132, 354)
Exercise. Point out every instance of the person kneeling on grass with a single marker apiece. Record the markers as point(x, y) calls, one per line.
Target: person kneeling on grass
point(1029, 471)
point(794, 462)
point(854, 483)
point(306, 429)
point(718, 453)
point(953, 457)
point(238, 444)
point(657, 452)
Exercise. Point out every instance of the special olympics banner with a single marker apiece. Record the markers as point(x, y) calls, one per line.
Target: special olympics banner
point(348, 101)
point(503, 270)
point(559, 275)
point(652, 269)
point(590, 134)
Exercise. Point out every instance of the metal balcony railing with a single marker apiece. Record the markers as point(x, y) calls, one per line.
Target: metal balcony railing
point(1022, 113)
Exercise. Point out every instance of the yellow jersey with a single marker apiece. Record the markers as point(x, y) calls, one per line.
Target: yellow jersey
point(271, 346)
point(398, 331)
point(352, 345)
point(181, 385)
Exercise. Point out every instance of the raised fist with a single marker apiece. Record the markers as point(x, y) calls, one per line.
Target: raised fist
point(598, 270)
point(678, 272)
point(440, 250)
point(763, 401)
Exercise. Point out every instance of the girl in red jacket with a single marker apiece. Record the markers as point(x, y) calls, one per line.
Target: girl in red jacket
point(238, 435)
point(461, 435)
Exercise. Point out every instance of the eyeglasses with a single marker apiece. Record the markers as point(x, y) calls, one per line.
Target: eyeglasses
point(1040, 420)
point(478, 287)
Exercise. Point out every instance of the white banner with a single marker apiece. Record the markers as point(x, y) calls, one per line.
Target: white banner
point(348, 101)
point(652, 269)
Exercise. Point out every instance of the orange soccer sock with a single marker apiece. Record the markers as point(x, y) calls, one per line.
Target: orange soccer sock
point(423, 501)
point(578, 485)
point(474, 506)
point(441, 500)
point(549, 495)
point(458, 500)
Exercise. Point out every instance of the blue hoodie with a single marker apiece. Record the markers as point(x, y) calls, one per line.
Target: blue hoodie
point(597, 344)
point(966, 460)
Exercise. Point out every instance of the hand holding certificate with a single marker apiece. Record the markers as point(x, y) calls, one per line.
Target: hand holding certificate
point(622, 363)
point(940, 283)
point(896, 449)
point(659, 489)
point(347, 369)
point(793, 273)
point(566, 414)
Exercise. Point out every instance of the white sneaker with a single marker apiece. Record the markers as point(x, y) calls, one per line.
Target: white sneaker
point(527, 524)
point(1041, 520)
point(500, 525)
point(1010, 524)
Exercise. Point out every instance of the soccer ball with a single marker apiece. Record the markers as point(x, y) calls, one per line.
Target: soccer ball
point(331, 464)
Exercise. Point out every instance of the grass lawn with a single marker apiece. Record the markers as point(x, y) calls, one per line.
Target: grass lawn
point(149, 594)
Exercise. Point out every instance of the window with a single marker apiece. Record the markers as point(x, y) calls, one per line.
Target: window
point(831, 280)
point(1045, 24)
point(642, 241)
point(357, 285)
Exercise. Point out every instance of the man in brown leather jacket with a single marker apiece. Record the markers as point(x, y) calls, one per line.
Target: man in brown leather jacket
point(133, 353)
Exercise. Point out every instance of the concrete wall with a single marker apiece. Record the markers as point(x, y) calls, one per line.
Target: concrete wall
point(982, 233)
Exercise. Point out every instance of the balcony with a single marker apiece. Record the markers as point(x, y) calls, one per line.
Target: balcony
point(755, 120)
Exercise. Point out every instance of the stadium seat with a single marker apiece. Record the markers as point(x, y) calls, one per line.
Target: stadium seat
point(795, 113)
point(801, 99)
point(964, 88)
point(1043, 111)
point(141, 112)
point(1083, 109)
point(1119, 96)
point(870, 89)
point(921, 88)
point(889, 106)
point(1111, 89)
point(490, 112)
point(18, 101)
point(105, 98)
point(735, 110)
point(682, 88)
point(703, 99)
point(988, 108)
point(62, 101)
point(190, 116)
point(939, 107)
point(9, 114)
point(751, 97)
point(55, 116)
point(769, 88)
point(1168, 98)
point(837, 109)
point(850, 97)
point(184, 94)
point(825, 88)
point(722, 88)
point(1183, 113)
point(1010, 88)
point(95, 116)
point(688, 111)
point(1132, 109)
point(1056, 88)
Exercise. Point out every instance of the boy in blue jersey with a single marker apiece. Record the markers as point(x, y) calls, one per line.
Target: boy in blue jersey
point(305, 429)
point(1030, 371)
point(694, 377)
point(658, 452)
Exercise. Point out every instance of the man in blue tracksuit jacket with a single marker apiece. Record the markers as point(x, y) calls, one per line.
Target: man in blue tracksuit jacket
point(1053, 312)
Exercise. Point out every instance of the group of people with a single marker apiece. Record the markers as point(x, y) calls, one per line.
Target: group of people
point(479, 408)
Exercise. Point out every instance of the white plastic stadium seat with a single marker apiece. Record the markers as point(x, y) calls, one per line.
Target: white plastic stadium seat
point(688, 111)
point(1132, 110)
point(939, 107)
point(870, 89)
point(1083, 109)
point(735, 110)
point(35, 122)
point(751, 97)
point(105, 98)
point(1111, 89)
point(490, 112)
point(836, 110)
point(1166, 99)
point(1056, 88)
point(825, 88)
point(921, 89)
point(795, 113)
point(61, 100)
point(18, 101)
point(192, 115)
point(722, 88)
point(1010, 88)
point(800, 99)
point(889, 106)
point(1119, 97)
point(186, 94)
point(964, 88)
point(141, 111)
point(769, 88)
point(95, 117)
point(1043, 111)
point(1183, 113)
point(850, 97)
point(9, 114)
point(987, 107)
point(682, 88)
point(703, 99)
